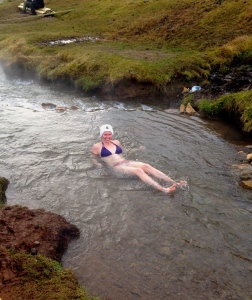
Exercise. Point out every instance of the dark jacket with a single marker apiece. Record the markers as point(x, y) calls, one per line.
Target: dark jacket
point(40, 3)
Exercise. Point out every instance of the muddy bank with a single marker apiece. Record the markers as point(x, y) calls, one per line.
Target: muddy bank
point(32, 245)
point(218, 83)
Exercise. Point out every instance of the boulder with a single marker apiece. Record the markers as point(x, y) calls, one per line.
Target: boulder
point(189, 109)
point(22, 229)
point(182, 108)
point(247, 184)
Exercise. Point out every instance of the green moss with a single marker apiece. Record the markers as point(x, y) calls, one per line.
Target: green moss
point(44, 278)
point(238, 105)
point(189, 98)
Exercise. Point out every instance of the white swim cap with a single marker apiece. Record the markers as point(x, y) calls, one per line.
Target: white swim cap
point(104, 128)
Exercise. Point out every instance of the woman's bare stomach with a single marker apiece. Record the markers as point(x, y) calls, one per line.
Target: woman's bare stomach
point(113, 159)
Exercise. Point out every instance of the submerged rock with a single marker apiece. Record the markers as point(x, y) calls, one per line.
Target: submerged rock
point(48, 106)
point(61, 108)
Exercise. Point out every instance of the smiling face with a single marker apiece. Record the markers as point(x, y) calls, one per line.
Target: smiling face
point(107, 136)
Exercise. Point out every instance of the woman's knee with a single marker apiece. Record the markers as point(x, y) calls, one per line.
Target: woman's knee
point(147, 167)
point(139, 171)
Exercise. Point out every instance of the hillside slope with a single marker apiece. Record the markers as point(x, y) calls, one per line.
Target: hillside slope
point(134, 48)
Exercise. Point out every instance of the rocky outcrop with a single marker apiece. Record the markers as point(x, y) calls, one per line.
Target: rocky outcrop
point(35, 231)
point(32, 241)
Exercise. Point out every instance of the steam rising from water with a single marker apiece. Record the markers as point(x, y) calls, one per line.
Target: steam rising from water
point(135, 242)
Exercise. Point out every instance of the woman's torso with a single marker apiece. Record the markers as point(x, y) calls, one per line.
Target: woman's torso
point(113, 159)
point(112, 152)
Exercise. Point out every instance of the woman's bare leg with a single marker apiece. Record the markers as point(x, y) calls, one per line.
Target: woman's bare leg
point(155, 172)
point(152, 171)
point(144, 177)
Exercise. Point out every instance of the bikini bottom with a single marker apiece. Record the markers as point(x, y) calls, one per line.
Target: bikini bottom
point(121, 163)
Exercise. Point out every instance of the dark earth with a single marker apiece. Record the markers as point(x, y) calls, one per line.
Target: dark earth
point(35, 232)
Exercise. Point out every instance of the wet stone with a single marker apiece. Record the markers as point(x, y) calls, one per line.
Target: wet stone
point(48, 105)
point(249, 157)
point(247, 184)
point(34, 251)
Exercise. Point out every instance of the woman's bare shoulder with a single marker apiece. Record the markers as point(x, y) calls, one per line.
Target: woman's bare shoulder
point(117, 142)
point(96, 148)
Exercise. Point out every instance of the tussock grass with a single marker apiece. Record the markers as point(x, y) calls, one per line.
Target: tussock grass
point(236, 51)
point(237, 104)
point(152, 41)
point(43, 278)
point(184, 37)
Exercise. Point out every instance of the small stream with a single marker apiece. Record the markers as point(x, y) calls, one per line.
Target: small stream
point(136, 243)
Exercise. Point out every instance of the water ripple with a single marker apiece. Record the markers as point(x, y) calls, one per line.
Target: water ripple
point(135, 242)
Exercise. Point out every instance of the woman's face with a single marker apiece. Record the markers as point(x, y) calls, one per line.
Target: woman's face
point(107, 136)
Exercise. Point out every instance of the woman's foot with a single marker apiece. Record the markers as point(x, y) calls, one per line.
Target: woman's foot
point(182, 184)
point(170, 189)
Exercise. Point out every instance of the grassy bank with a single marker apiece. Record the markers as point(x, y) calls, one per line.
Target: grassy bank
point(233, 106)
point(155, 42)
point(40, 278)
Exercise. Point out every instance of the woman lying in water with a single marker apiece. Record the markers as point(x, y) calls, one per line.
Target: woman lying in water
point(111, 153)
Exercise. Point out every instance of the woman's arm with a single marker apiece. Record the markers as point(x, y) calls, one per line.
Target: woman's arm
point(95, 161)
point(95, 153)
point(95, 149)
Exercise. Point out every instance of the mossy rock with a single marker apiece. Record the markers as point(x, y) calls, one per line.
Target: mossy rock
point(38, 278)
point(3, 187)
